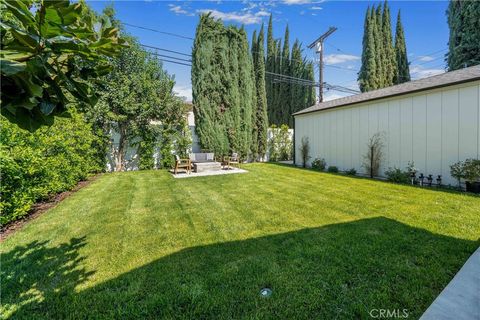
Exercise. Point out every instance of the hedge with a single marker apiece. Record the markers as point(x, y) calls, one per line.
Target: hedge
point(35, 166)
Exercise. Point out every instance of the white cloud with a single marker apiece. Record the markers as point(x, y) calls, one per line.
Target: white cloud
point(316, 8)
point(418, 72)
point(183, 91)
point(340, 58)
point(294, 2)
point(262, 13)
point(244, 18)
point(179, 10)
point(425, 58)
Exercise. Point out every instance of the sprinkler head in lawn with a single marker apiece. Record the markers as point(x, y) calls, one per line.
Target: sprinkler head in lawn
point(265, 292)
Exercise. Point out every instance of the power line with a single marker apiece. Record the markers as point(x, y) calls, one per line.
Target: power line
point(166, 50)
point(158, 31)
point(428, 54)
point(176, 62)
point(170, 57)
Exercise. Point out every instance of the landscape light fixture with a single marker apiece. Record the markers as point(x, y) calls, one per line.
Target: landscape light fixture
point(421, 177)
point(265, 292)
point(439, 180)
point(430, 180)
point(413, 177)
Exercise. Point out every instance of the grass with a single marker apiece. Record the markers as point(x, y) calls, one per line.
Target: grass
point(144, 245)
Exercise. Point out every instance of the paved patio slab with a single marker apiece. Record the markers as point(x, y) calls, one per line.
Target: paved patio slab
point(460, 300)
point(181, 175)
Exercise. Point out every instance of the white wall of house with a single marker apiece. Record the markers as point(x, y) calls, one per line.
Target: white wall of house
point(433, 128)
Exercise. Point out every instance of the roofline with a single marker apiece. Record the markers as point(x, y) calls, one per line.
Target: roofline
point(388, 96)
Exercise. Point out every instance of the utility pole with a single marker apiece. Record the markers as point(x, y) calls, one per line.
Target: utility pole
point(319, 46)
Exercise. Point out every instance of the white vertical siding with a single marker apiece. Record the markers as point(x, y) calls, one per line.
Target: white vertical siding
point(434, 133)
point(434, 129)
point(468, 119)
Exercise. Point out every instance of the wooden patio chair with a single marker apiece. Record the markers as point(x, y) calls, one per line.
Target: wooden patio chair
point(182, 164)
point(234, 160)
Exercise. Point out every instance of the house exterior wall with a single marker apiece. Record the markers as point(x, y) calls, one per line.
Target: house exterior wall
point(433, 128)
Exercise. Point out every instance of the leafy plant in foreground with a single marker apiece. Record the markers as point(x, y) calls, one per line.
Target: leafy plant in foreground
point(51, 53)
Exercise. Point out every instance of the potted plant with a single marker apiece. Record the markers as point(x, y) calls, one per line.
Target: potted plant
point(471, 172)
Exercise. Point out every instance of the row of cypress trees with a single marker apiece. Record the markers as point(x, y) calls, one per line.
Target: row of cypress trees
point(228, 88)
point(383, 62)
point(285, 98)
point(464, 41)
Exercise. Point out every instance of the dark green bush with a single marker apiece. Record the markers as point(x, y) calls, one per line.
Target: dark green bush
point(397, 175)
point(37, 165)
point(351, 172)
point(332, 169)
point(319, 164)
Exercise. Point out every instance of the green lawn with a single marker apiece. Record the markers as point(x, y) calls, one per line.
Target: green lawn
point(144, 245)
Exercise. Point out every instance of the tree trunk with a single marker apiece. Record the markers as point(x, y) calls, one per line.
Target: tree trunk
point(122, 143)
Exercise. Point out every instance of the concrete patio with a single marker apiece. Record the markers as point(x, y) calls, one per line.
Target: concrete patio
point(460, 300)
point(183, 174)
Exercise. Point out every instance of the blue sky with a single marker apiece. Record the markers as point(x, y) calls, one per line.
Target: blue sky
point(425, 25)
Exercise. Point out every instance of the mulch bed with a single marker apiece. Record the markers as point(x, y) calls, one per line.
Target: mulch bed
point(41, 207)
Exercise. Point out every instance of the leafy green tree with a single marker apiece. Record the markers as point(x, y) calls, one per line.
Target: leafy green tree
point(134, 94)
point(464, 24)
point(52, 52)
point(403, 69)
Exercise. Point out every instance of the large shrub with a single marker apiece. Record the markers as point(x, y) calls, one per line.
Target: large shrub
point(397, 175)
point(50, 160)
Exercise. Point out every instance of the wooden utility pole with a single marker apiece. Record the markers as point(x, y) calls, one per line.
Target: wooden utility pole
point(319, 49)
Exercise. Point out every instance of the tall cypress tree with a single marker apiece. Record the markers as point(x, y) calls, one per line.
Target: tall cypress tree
point(297, 91)
point(254, 145)
point(464, 24)
point(221, 71)
point(368, 70)
point(285, 87)
point(277, 88)
point(403, 71)
point(207, 94)
point(246, 85)
point(270, 67)
point(311, 96)
point(261, 119)
point(232, 103)
point(379, 49)
point(390, 63)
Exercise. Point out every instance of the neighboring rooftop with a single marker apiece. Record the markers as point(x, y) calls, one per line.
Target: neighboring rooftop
point(441, 80)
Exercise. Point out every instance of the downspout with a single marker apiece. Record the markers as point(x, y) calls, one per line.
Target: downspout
point(294, 148)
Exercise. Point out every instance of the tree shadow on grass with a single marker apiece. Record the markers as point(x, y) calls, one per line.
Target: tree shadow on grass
point(335, 271)
point(38, 271)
